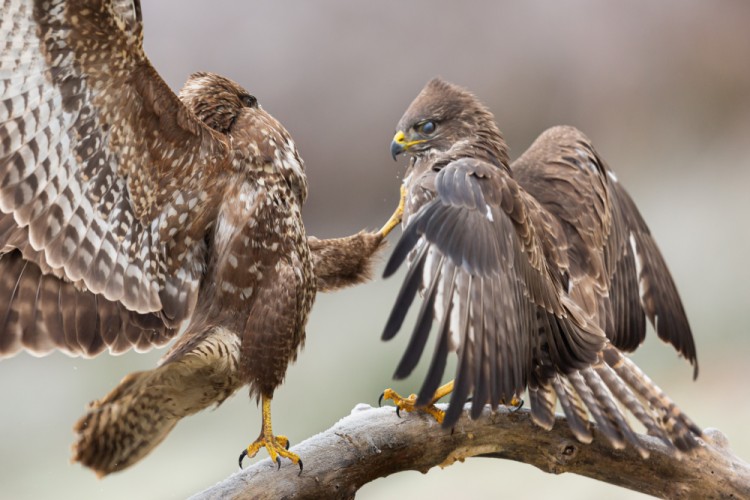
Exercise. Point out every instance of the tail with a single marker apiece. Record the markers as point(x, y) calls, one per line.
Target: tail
point(598, 389)
point(124, 426)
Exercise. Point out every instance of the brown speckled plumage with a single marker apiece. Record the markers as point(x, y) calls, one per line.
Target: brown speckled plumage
point(539, 274)
point(127, 213)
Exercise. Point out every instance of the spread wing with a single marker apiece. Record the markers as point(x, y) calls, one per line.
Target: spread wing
point(104, 177)
point(614, 260)
point(491, 277)
point(642, 285)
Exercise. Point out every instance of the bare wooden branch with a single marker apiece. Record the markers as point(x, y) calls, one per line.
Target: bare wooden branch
point(372, 443)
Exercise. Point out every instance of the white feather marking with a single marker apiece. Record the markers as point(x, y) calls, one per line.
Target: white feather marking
point(638, 266)
point(612, 175)
point(488, 213)
point(456, 314)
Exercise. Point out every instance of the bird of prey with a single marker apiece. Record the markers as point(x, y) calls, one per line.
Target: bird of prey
point(540, 275)
point(128, 214)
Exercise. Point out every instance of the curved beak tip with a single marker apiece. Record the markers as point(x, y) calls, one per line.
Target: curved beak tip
point(398, 144)
point(396, 149)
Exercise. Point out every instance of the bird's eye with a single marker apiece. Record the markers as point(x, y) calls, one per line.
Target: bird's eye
point(426, 127)
point(249, 101)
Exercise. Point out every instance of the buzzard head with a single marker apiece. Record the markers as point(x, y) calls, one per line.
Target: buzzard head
point(215, 100)
point(229, 109)
point(445, 116)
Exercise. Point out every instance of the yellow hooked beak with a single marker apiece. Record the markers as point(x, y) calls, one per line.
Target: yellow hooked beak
point(399, 144)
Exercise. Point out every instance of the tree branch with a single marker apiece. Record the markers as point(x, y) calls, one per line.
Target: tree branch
point(372, 443)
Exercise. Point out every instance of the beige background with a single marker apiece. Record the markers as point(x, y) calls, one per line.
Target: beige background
point(663, 90)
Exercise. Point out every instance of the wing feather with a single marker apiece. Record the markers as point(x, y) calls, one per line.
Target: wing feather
point(421, 332)
point(655, 294)
point(406, 294)
point(613, 255)
point(440, 357)
point(478, 226)
point(44, 313)
point(100, 167)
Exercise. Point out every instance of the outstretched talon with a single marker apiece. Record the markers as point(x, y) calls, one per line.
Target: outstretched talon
point(395, 219)
point(515, 404)
point(409, 404)
point(277, 446)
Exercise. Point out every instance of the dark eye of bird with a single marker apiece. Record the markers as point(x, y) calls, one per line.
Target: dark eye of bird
point(426, 127)
point(249, 100)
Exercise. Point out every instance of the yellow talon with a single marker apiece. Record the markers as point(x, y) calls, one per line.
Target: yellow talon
point(409, 404)
point(515, 402)
point(395, 219)
point(276, 446)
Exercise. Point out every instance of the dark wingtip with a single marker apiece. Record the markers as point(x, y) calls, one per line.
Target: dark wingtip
point(452, 414)
point(392, 327)
point(392, 266)
point(405, 297)
point(409, 238)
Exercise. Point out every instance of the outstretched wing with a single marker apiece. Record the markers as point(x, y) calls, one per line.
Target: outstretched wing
point(104, 177)
point(642, 285)
point(617, 270)
point(481, 258)
point(607, 243)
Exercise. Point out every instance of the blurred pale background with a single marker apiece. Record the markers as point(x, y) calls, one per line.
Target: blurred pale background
point(663, 90)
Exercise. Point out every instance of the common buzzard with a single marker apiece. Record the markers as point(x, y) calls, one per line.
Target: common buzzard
point(540, 274)
point(128, 214)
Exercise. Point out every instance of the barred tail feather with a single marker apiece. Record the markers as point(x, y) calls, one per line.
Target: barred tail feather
point(139, 413)
point(106, 442)
point(574, 410)
point(603, 391)
point(680, 429)
point(542, 400)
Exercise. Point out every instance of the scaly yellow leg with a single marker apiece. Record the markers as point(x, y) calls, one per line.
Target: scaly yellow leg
point(277, 446)
point(395, 219)
point(409, 404)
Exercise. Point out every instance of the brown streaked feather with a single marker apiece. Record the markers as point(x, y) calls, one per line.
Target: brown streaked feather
point(343, 262)
point(270, 328)
point(487, 237)
point(137, 415)
point(660, 301)
point(122, 207)
point(566, 175)
point(573, 407)
point(97, 195)
point(559, 252)
point(46, 313)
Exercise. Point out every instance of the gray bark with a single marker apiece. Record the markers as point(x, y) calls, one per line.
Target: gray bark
point(371, 443)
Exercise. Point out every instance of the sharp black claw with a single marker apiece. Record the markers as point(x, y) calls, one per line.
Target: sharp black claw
point(287, 444)
point(242, 456)
point(518, 406)
point(380, 399)
point(278, 463)
point(398, 412)
point(300, 468)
